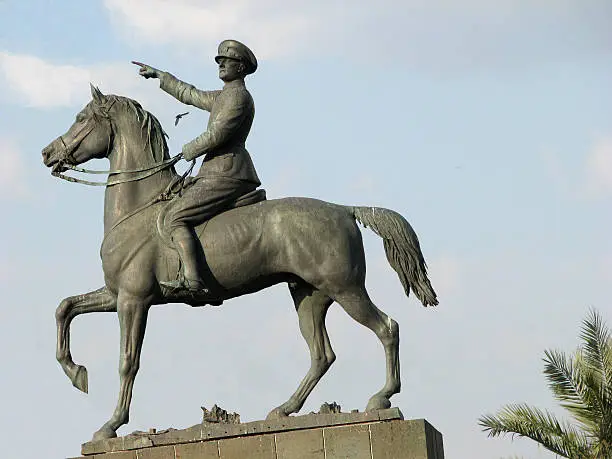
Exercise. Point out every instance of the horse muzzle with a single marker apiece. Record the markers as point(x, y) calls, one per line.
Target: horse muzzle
point(48, 156)
point(51, 156)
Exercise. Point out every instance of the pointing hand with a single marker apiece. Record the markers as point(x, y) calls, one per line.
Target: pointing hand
point(147, 71)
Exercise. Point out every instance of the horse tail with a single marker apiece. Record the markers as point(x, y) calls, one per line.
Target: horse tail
point(402, 249)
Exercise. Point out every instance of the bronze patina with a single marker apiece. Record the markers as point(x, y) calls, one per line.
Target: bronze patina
point(230, 238)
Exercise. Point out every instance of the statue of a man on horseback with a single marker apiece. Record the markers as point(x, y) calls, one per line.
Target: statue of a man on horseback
point(227, 171)
point(251, 243)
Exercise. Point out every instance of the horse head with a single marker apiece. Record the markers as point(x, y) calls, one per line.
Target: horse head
point(89, 137)
point(112, 127)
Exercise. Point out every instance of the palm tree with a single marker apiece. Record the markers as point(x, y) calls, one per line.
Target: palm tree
point(582, 384)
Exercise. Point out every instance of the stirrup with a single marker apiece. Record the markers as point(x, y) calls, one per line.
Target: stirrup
point(192, 285)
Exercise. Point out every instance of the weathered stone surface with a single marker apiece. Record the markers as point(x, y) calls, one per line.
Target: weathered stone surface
point(120, 455)
point(375, 435)
point(406, 440)
point(398, 440)
point(212, 431)
point(328, 408)
point(162, 452)
point(435, 446)
point(253, 447)
point(218, 414)
point(200, 450)
point(300, 444)
point(110, 445)
point(172, 437)
point(391, 413)
point(117, 455)
point(101, 446)
point(347, 442)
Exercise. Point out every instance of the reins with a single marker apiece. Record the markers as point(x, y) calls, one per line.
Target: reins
point(140, 173)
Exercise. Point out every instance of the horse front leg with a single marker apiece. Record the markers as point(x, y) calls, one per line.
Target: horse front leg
point(133, 312)
point(100, 300)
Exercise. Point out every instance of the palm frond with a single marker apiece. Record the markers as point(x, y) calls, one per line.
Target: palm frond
point(597, 355)
point(600, 425)
point(541, 426)
point(582, 383)
point(597, 351)
point(572, 385)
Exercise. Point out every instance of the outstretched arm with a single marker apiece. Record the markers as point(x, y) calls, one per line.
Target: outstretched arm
point(184, 92)
point(187, 93)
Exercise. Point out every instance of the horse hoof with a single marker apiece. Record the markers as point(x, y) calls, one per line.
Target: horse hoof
point(378, 402)
point(104, 433)
point(276, 413)
point(80, 380)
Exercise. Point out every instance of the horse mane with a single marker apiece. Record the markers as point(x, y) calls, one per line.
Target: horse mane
point(151, 129)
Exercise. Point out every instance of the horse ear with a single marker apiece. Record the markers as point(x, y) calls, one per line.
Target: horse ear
point(97, 95)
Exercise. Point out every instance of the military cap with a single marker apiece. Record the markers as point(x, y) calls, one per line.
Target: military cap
point(236, 50)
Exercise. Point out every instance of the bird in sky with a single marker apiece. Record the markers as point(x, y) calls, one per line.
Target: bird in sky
point(179, 116)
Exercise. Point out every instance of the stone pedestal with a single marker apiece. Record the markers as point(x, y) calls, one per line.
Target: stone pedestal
point(376, 435)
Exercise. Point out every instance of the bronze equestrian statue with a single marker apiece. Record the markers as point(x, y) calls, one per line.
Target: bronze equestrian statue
point(153, 225)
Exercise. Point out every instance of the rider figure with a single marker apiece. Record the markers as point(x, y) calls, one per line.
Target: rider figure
point(227, 171)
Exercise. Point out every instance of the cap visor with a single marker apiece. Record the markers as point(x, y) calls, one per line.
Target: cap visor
point(226, 57)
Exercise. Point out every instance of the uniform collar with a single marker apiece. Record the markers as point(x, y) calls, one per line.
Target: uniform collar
point(239, 83)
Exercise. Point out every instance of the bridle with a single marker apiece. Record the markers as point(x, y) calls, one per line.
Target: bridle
point(67, 161)
point(137, 174)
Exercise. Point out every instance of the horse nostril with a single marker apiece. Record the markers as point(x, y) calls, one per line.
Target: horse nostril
point(47, 151)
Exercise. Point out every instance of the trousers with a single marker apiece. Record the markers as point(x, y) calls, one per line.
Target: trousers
point(207, 197)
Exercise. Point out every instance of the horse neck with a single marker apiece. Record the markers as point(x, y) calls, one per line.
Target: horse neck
point(131, 151)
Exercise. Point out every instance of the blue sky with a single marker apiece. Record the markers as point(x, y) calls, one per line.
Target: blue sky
point(488, 126)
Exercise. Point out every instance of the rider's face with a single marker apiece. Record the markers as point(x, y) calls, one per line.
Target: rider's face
point(230, 69)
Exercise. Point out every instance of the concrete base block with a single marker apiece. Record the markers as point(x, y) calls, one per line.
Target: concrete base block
point(377, 435)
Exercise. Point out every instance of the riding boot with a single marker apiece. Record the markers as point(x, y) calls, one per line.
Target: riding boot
point(187, 247)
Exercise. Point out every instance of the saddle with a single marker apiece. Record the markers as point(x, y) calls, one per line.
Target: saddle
point(252, 197)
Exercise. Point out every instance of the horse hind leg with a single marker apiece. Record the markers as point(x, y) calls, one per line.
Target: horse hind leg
point(97, 301)
point(359, 306)
point(311, 306)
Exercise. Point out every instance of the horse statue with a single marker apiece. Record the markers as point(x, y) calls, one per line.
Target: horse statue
point(314, 246)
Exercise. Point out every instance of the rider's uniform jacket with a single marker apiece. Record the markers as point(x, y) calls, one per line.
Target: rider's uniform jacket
point(223, 143)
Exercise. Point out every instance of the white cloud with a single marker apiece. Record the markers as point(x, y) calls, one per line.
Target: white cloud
point(268, 26)
point(599, 168)
point(42, 84)
point(11, 169)
point(435, 35)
